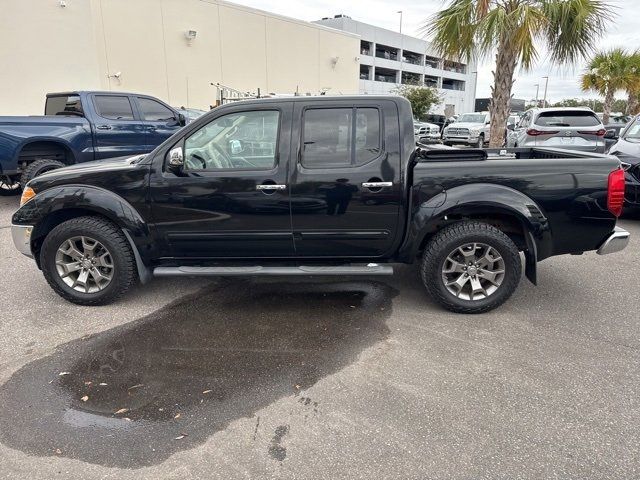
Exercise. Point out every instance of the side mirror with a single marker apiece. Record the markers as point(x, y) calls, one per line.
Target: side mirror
point(611, 134)
point(488, 122)
point(511, 127)
point(176, 158)
point(182, 120)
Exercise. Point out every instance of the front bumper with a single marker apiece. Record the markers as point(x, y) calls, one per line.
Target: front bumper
point(21, 235)
point(617, 241)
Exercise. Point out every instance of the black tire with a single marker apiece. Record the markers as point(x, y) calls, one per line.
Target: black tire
point(454, 236)
point(9, 187)
point(480, 142)
point(38, 167)
point(113, 239)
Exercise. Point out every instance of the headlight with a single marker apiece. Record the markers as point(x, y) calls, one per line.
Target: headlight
point(27, 194)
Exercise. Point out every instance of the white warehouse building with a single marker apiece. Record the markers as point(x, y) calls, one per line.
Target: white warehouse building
point(388, 58)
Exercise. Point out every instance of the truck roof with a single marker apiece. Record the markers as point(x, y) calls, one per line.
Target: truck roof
point(100, 92)
point(320, 98)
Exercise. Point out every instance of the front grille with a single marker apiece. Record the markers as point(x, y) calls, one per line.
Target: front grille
point(458, 132)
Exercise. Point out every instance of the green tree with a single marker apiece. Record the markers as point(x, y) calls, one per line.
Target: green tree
point(514, 30)
point(607, 73)
point(422, 99)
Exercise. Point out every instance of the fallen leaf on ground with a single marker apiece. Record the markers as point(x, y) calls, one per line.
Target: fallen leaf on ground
point(177, 415)
point(62, 374)
point(181, 436)
point(102, 384)
point(136, 386)
point(85, 398)
point(87, 383)
point(122, 410)
point(207, 391)
point(58, 451)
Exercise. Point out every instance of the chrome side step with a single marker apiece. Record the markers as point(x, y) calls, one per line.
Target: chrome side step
point(369, 269)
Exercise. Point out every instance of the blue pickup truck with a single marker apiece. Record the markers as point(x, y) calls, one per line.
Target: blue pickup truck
point(78, 127)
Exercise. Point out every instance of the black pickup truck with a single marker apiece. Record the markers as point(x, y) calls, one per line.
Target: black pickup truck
point(318, 186)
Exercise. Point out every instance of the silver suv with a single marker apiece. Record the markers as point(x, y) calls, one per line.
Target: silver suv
point(469, 129)
point(570, 128)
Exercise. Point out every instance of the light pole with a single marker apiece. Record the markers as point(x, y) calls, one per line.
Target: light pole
point(537, 85)
point(401, 45)
point(546, 85)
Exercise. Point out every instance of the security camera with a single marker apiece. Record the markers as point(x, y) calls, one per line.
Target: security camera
point(190, 35)
point(63, 3)
point(357, 59)
point(117, 75)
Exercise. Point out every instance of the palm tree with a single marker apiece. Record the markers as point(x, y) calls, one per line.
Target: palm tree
point(515, 30)
point(609, 72)
point(633, 84)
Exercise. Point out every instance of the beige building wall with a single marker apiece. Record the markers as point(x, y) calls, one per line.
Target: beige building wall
point(83, 45)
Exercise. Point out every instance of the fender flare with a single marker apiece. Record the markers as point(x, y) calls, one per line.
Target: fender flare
point(482, 199)
point(53, 203)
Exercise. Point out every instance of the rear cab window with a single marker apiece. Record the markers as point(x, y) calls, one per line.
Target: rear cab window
point(113, 107)
point(568, 119)
point(341, 136)
point(64, 105)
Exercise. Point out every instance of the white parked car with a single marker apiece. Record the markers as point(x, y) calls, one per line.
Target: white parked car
point(470, 129)
point(572, 128)
point(426, 132)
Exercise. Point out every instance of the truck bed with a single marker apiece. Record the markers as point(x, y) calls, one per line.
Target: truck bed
point(564, 189)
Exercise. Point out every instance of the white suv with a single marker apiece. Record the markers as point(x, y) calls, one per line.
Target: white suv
point(470, 129)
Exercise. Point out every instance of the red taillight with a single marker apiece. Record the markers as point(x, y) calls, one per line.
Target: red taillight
point(536, 133)
point(600, 133)
point(615, 192)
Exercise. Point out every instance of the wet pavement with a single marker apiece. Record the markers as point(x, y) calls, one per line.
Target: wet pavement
point(333, 378)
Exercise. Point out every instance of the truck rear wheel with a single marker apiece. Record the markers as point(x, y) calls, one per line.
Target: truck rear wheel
point(471, 267)
point(88, 261)
point(38, 167)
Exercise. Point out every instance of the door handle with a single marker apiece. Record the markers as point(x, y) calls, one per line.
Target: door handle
point(270, 187)
point(377, 184)
point(103, 127)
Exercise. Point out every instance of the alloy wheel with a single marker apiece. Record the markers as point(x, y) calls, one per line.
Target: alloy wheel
point(473, 271)
point(84, 264)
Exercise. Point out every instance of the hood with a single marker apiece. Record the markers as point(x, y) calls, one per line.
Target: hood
point(626, 151)
point(465, 125)
point(97, 168)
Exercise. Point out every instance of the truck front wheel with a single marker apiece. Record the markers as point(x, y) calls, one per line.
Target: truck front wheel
point(88, 261)
point(9, 186)
point(38, 167)
point(471, 267)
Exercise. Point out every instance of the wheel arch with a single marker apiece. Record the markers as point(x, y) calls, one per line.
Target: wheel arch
point(50, 208)
point(32, 149)
point(507, 209)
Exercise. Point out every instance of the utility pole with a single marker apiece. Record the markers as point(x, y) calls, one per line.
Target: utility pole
point(401, 45)
point(546, 85)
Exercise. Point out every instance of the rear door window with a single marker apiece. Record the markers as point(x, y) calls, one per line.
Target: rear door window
point(114, 107)
point(567, 119)
point(340, 137)
point(154, 111)
point(64, 105)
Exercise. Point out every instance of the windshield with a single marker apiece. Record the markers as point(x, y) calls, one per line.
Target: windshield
point(471, 118)
point(633, 132)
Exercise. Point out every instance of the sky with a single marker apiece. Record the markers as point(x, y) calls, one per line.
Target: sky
point(623, 31)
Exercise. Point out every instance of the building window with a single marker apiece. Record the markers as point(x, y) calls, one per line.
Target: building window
point(451, 84)
point(410, 78)
point(430, 81)
point(455, 67)
point(365, 47)
point(432, 62)
point(365, 72)
point(412, 57)
point(386, 75)
point(388, 53)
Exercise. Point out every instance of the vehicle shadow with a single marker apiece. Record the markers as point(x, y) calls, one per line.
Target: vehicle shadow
point(131, 396)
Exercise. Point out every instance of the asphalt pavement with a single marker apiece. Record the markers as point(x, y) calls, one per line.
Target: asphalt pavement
point(334, 378)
